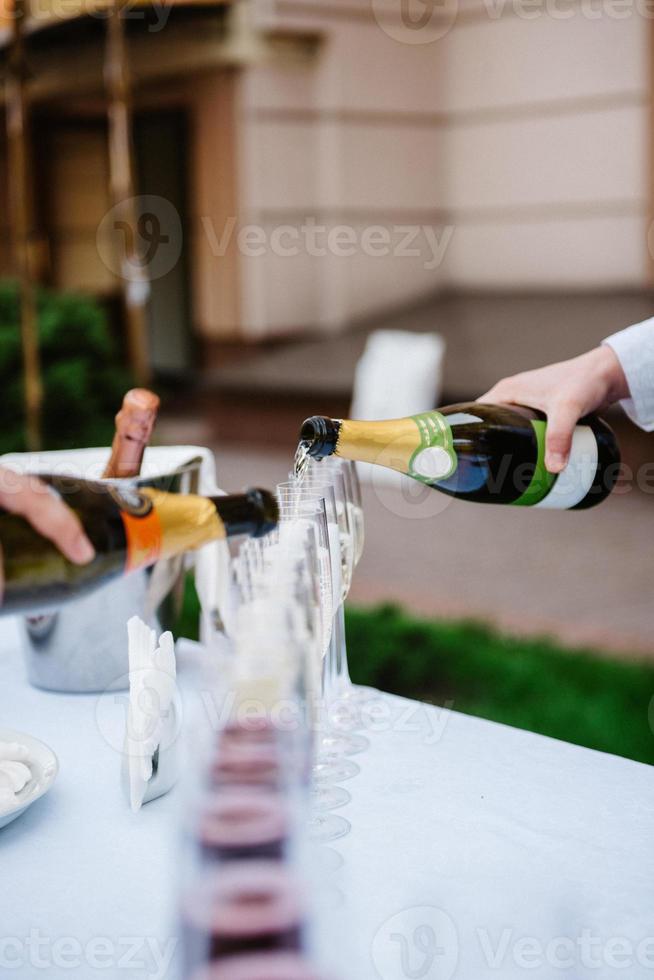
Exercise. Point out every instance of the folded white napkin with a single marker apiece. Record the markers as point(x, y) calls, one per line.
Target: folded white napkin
point(152, 717)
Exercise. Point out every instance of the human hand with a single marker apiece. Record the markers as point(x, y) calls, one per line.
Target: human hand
point(564, 392)
point(32, 499)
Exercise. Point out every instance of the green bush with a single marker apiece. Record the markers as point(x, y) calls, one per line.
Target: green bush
point(82, 375)
point(577, 696)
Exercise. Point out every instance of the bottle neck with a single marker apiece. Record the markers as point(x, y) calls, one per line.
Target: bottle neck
point(134, 424)
point(125, 460)
point(176, 523)
point(254, 513)
point(389, 443)
point(319, 435)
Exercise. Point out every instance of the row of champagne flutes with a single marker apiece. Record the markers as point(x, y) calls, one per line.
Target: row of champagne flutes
point(328, 495)
point(307, 566)
point(286, 739)
point(246, 907)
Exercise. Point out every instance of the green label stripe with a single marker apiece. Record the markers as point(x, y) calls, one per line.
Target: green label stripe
point(541, 482)
point(434, 430)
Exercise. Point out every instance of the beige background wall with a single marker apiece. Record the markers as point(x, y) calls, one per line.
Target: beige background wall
point(78, 199)
point(214, 266)
point(529, 137)
point(524, 141)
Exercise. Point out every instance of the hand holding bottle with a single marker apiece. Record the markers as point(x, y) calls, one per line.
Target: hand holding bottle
point(129, 527)
point(30, 498)
point(564, 392)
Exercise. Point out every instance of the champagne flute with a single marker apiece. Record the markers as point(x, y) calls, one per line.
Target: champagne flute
point(292, 496)
point(320, 487)
point(347, 690)
point(331, 480)
point(342, 475)
point(356, 504)
point(240, 834)
point(342, 734)
point(297, 502)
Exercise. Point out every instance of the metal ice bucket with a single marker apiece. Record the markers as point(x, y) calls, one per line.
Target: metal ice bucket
point(83, 646)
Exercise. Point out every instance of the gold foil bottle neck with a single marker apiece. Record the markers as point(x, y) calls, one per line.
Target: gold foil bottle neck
point(187, 521)
point(390, 443)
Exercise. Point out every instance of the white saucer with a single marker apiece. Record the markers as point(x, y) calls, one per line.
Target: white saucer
point(44, 765)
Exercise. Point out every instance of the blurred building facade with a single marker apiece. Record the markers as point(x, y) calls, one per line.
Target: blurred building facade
point(354, 162)
point(528, 136)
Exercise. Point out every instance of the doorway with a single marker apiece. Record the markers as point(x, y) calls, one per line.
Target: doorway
point(161, 153)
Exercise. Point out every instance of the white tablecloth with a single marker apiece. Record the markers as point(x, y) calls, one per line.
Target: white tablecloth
point(477, 851)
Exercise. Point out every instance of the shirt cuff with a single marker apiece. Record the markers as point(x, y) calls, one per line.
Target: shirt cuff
point(634, 348)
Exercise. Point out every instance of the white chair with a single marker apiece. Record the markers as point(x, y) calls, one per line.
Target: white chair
point(398, 374)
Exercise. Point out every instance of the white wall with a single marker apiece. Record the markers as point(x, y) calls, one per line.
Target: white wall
point(548, 151)
point(527, 137)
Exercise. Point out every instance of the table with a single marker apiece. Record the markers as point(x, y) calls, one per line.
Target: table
point(477, 851)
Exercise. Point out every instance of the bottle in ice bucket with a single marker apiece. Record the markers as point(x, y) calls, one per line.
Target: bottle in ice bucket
point(134, 425)
point(484, 453)
point(129, 527)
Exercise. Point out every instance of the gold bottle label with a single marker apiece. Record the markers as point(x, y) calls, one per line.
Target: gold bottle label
point(420, 445)
point(172, 524)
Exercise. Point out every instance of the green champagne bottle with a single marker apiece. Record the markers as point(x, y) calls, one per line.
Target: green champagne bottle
point(129, 527)
point(484, 453)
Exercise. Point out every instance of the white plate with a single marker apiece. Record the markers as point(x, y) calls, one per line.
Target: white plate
point(44, 766)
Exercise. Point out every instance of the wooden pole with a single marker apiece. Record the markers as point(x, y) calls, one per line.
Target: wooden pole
point(134, 280)
point(21, 224)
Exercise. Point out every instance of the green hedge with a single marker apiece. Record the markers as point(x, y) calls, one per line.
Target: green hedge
point(577, 696)
point(534, 684)
point(82, 375)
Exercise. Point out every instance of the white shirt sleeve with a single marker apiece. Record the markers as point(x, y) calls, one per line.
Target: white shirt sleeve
point(634, 348)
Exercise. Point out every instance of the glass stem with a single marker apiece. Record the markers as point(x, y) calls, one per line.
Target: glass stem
point(343, 680)
point(329, 668)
